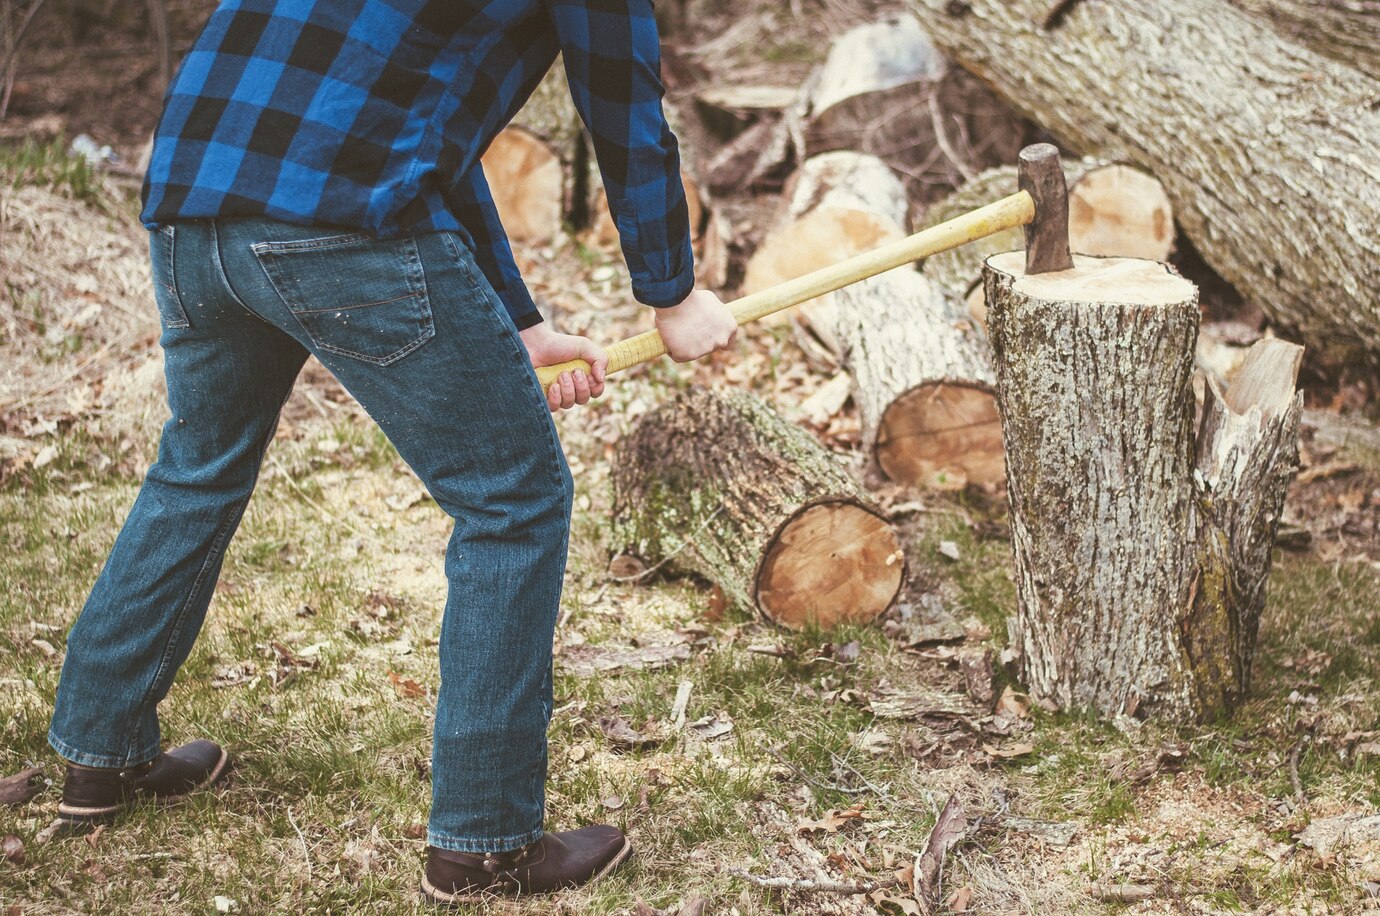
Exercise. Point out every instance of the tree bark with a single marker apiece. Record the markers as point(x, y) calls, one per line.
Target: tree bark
point(1266, 149)
point(1348, 31)
point(1115, 210)
point(1140, 569)
point(922, 380)
point(721, 486)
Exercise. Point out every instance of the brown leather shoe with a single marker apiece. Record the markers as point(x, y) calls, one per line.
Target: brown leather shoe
point(94, 795)
point(556, 861)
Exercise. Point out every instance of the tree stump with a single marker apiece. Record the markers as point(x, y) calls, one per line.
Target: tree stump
point(923, 382)
point(1140, 555)
point(721, 486)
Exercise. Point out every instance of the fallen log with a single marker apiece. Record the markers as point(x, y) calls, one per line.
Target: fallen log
point(539, 167)
point(1115, 210)
point(1140, 554)
point(837, 205)
point(886, 89)
point(922, 380)
point(721, 486)
point(1266, 149)
point(1348, 31)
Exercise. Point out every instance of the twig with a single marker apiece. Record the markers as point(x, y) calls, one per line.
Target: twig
point(1299, 797)
point(306, 850)
point(670, 556)
point(807, 886)
point(941, 137)
point(817, 783)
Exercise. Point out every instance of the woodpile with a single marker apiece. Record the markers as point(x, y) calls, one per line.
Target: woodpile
point(1115, 210)
point(1141, 552)
point(719, 485)
point(1265, 148)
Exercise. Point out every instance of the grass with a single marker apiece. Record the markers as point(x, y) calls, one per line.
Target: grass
point(50, 165)
point(323, 813)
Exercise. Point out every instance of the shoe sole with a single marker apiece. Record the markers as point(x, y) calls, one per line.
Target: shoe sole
point(436, 895)
point(75, 817)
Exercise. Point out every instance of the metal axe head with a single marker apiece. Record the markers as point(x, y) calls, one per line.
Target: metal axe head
point(1041, 174)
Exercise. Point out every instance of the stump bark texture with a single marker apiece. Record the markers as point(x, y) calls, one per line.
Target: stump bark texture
point(1140, 554)
point(1266, 149)
point(721, 486)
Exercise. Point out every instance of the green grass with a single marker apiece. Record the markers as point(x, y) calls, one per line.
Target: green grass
point(50, 165)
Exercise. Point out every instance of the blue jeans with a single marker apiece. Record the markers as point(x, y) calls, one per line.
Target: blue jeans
point(412, 329)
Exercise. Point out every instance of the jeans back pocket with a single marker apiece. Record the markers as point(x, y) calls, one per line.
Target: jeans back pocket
point(354, 295)
point(162, 247)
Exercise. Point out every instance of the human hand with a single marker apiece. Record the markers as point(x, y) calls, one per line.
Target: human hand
point(546, 347)
point(699, 325)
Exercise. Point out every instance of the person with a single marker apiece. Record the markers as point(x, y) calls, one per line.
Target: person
point(315, 188)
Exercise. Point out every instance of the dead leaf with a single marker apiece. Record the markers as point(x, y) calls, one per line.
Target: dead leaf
point(834, 820)
point(612, 803)
point(406, 687)
point(1013, 705)
point(93, 839)
point(415, 831)
point(12, 847)
point(621, 735)
point(626, 567)
point(717, 605)
point(1014, 750)
point(709, 728)
point(232, 675)
point(22, 786)
point(959, 899)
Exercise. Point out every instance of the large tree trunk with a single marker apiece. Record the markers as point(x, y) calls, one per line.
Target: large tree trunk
point(1266, 149)
point(720, 485)
point(1348, 31)
point(923, 381)
point(1140, 570)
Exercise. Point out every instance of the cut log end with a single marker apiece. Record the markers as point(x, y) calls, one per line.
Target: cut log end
point(1117, 281)
point(831, 563)
point(1120, 210)
point(528, 185)
point(938, 433)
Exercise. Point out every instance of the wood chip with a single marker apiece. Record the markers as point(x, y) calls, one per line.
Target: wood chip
point(587, 661)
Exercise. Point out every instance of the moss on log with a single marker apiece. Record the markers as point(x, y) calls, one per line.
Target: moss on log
point(721, 486)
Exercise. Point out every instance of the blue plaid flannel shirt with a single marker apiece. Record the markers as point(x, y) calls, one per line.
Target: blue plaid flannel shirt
point(372, 115)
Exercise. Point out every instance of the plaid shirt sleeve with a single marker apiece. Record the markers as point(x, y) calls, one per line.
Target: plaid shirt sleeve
point(613, 64)
point(473, 205)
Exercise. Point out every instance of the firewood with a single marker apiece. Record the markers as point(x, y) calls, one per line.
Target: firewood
point(1266, 149)
point(1141, 555)
point(923, 381)
point(837, 205)
point(886, 89)
point(1115, 210)
point(721, 486)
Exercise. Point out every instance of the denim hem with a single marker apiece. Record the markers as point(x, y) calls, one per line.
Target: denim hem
point(81, 758)
point(504, 844)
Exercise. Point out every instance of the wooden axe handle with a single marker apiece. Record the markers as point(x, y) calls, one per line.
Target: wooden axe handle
point(1007, 213)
